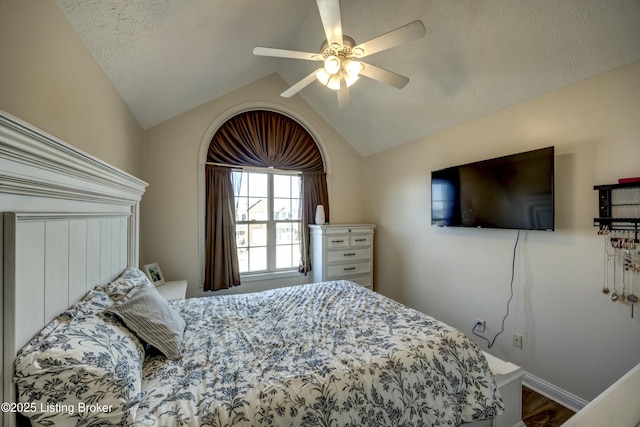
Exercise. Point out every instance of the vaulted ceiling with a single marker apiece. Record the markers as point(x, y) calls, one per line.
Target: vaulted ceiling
point(478, 56)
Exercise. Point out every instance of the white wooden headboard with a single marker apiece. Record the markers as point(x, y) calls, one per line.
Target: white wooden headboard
point(70, 223)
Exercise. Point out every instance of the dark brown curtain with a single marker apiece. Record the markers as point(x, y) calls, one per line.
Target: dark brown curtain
point(268, 139)
point(221, 266)
point(265, 139)
point(314, 191)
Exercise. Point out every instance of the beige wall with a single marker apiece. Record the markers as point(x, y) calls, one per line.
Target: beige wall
point(172, 152)
point(574, 337)
point(49, 79)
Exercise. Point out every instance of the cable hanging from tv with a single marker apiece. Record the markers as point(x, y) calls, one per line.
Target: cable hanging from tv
point(513, 270)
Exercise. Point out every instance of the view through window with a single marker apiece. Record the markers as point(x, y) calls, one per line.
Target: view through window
point(267, 220)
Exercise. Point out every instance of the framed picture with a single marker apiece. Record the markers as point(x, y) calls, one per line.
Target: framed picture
point(153, 272)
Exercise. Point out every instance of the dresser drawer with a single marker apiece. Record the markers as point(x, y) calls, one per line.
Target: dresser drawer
point(344, 270)
point(337, 241)
point(362, 280)
point(349, 255)
point(356, 240)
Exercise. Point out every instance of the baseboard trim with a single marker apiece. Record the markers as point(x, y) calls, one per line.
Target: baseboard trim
point(553, 392)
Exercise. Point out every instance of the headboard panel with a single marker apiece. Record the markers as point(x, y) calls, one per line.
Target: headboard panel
point(53, 260)
point(71, 222)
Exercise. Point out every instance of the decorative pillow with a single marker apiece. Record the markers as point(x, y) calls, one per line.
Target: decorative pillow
point(136, 275)
point(151, 318)
point(130, 278)
point(94, 302)
point(82, 368)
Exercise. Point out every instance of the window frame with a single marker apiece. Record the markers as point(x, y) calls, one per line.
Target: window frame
point(272, 271)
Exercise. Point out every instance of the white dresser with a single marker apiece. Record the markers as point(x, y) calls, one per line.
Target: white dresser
point(342, 251)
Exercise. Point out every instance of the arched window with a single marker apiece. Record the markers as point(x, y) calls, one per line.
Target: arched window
point(264, 178)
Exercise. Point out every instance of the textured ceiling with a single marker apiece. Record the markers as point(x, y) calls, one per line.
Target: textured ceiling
point(167, 56)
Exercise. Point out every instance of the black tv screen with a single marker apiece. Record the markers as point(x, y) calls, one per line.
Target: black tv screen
point(513, 192)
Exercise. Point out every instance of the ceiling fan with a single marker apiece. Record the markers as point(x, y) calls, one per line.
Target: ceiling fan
point(341, 55)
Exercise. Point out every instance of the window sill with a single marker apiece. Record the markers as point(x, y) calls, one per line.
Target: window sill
point(258, 277)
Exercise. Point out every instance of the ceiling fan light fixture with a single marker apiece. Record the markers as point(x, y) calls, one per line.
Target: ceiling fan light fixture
point(334, 82)
point(332, 64)
point(351, 71)
point(350, 79)
point(323, 76)
point(352, 67)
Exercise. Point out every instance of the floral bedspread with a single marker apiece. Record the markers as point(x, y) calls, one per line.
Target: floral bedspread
point(329, 354)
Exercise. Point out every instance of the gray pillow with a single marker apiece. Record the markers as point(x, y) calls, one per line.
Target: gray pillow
point(147, 314)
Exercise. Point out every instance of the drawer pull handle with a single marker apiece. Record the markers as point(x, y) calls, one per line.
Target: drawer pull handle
point(351, 254)
point(361, 240)
point(337, 241)
point(349, 268)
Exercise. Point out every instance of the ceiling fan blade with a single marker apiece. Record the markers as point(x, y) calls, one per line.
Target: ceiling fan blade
point(344, 97)
point(300, 85)
point(384, 76)
point(283, 53)
point(330, 15)
point(393, 38)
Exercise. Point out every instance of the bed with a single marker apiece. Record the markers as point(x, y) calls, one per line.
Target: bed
point(322, 354)
point(331, 353)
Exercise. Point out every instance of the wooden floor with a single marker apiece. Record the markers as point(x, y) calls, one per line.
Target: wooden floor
point(538, 411)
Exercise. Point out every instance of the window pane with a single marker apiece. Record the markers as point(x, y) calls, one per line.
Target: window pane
point(242, 208)
point(295, 235)
point(286, 202)
point(284, 233)
point(295, 256)
point(239, 182)
point(241, 235)
point(282, 186)
point(258, 184)
point(243, 259)
point(257, 209)
point(295, 186)
point(282, 209)
point(283, 256)
point(257, 259)
point(295, 209)
point(257, 234)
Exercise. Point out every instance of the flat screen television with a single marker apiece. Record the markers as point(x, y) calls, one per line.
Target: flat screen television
point(514, 192)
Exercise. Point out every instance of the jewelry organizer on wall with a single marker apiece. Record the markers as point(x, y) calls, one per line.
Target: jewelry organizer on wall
point(619, 216)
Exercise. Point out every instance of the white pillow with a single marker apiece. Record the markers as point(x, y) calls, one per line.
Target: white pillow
point(130, 278)
point(81, 358)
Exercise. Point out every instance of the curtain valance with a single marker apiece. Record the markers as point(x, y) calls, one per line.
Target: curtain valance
point(265, 139)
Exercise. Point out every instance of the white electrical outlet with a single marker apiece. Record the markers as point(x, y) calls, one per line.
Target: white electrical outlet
point(480, 326)
point(517, 340)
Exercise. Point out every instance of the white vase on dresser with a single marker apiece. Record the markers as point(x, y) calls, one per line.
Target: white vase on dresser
point(320, 214)
point(342, 251)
